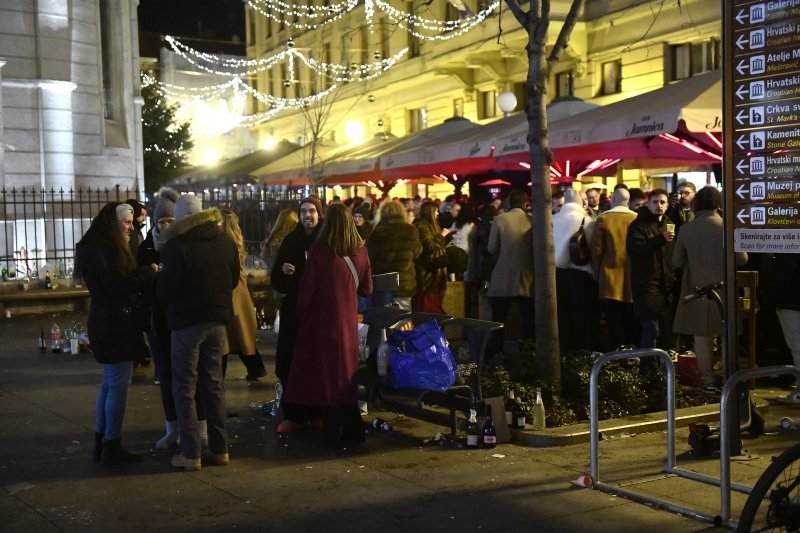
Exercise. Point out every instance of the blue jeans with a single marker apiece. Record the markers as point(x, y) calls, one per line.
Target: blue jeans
point(112, 398)
point(197, 369)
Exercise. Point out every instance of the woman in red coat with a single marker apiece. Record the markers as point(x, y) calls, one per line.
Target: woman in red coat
point(325, 360)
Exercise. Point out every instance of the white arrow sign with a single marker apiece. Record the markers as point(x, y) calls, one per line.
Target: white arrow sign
point(741, 215)
point(740, 116)
point(741, 41)
point(741, 190)
point(742, 67)
point(741, 92)
point(739, 166)
point(742, 16)
point(742, 141)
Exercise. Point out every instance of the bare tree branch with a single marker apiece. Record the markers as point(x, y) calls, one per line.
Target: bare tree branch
point(518, 13)
point(566, 32)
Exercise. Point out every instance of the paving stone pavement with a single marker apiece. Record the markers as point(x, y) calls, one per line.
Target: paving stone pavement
point(395, 482)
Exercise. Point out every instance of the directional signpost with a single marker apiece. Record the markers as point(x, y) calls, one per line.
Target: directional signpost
point(762, 133)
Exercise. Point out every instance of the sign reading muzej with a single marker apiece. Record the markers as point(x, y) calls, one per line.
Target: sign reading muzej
point(764, 121)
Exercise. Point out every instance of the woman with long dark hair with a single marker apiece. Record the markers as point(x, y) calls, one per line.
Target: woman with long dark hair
point(323, 370)
point(103, 261)
point(431, 265)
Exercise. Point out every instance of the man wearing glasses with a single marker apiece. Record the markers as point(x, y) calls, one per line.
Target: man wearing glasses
point(680, 211)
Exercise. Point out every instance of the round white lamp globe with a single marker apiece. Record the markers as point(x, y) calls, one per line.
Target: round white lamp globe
point(507, 102)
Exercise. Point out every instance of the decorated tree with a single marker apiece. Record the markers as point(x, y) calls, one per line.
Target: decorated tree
point(166, 142)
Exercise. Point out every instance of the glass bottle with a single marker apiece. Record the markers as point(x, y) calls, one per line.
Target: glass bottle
point(539, 415)
point(472, 430)
point(489, 431)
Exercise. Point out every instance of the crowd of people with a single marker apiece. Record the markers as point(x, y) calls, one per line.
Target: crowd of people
point(183, 287)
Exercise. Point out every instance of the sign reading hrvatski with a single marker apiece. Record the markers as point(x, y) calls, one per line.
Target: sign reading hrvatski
point(762, 134)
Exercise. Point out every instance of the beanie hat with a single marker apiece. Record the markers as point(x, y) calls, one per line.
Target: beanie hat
point(312, 200)
point(165, 207)
point(188, 204)
point(364, 210)
point(137, 207)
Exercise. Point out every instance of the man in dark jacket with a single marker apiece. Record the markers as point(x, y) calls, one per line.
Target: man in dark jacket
point(285, 278)
point(199, 269)
point(649, 246)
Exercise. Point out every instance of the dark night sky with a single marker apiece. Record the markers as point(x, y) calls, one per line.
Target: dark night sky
point(212, 19)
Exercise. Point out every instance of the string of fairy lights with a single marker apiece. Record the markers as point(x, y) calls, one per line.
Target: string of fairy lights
point(292, 14)
point(304, 17)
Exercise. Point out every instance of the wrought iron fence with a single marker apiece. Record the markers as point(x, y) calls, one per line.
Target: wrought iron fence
point(40, 227)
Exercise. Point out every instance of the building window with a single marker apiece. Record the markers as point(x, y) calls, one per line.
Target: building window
point(282, 23)
point(458, 107)
point(487, 104)
point(327, 59)
point(521, 92)
point(345, 51)
point(268, 22)
point(689, 59)
point(564, 84)
point(107, 52)
point(612, 78)
point(365, 55)
point(451, 13)
point(416, 119)
point(385, 38)
point(251, 27)
point(282, 81)
point(413, 43)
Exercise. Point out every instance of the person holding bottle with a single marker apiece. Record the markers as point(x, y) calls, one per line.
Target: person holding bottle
point(285, 278)
point(104, 263)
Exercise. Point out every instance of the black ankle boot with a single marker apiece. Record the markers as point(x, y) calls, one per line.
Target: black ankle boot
point(98, 447)
point(114, 454)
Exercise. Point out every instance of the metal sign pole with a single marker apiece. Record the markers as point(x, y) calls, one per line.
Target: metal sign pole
point(730, 341)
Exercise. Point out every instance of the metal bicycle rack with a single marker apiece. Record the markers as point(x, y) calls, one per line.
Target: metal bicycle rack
point(724, 481)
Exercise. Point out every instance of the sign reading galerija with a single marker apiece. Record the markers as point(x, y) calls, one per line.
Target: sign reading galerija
point(765, 126)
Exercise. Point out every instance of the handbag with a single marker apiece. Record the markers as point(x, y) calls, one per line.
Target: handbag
point(579, 252)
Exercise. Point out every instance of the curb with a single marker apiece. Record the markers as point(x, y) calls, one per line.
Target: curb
point(617, 427)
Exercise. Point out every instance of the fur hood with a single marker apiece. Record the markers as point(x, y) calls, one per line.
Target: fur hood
point(183, 225)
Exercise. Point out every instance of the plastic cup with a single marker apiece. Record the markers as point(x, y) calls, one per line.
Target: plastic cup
point(670, 227)
point(73, 345)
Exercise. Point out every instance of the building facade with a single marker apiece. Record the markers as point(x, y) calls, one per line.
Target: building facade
point(70, 114)
point(618, 49)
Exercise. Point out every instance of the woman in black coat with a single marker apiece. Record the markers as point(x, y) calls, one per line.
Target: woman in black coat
point(104, 263)
point(393, 246)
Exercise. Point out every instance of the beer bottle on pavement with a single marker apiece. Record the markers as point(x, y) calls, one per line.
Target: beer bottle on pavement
point(489, 432)
point(472, 430)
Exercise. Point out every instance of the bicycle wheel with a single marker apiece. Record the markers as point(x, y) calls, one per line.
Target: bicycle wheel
point(780, 509)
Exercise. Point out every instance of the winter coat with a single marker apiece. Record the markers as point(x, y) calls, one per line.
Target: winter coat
point(651, 266)
point(242, 328)
point(511, 241)
point(325, 361)
point(393, 246)
point(293, 250)
point(365, 230)
point(147, 255)
point(199, 269)
point(698, 251)
point(112, 327)
point(782, 288)
point(431, 265)
point(610, 261)
point(565, 223)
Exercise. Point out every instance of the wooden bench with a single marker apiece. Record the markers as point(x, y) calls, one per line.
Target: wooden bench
point(78, 295)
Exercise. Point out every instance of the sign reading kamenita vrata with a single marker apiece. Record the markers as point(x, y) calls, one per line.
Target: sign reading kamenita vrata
point(764, 125)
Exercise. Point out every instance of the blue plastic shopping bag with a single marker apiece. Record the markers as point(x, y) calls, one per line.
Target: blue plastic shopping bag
point(421, 359)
